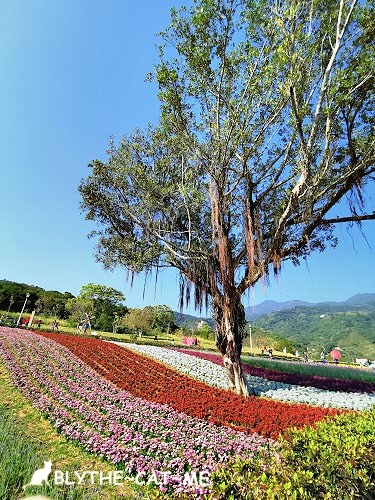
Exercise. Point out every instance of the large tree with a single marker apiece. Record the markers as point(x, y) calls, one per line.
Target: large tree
point(265, 127)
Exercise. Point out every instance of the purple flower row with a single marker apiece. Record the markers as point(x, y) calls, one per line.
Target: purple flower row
point(141, 435)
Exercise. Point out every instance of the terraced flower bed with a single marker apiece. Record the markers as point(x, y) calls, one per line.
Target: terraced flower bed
point(213, 373)
point(148, 379)
point(143, 409)
point(137, 434)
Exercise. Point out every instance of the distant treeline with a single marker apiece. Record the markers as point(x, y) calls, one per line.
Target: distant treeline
point(50, 303)
point(106, 306)
point(102, 304)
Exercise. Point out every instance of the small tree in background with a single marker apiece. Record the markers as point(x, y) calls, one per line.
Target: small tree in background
point(205, 331)
point(80, 309)
point(266, 125)
point(164, 318)
point(97, 301)
point(139, 320)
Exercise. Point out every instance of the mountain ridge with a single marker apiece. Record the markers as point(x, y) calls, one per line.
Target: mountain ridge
point(271, 306)
point(266, 307)
point(349, 324)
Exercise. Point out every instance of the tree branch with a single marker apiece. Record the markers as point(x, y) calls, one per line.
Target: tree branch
point(352, 218)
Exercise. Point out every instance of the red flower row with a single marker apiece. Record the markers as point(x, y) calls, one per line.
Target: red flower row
point(329, 384)
point(153, 381)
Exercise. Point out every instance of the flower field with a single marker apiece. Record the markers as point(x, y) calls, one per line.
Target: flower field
point(209, 369)
point(281, 386)
point(142, 435)
point(142, 414)
point(151, 380)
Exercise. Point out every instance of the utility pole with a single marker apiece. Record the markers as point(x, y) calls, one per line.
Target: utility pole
point(250, 340)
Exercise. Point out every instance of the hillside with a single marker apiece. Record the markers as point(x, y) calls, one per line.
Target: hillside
point(260, 337)
point(190, 322)
point(349, 325)
point(270, 306)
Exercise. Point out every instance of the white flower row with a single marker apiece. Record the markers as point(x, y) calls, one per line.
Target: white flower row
point(215, 375)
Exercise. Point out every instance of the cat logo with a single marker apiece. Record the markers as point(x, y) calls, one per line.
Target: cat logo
point(40, 476)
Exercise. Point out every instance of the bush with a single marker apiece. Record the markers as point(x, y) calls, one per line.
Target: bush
point(336, 459)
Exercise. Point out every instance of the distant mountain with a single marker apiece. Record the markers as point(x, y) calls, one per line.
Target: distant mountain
point(271, 306)
point(361, 299)
point(349, 325)
point(191, 322)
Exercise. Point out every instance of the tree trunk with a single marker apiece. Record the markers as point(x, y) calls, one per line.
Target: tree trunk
point(230, 324)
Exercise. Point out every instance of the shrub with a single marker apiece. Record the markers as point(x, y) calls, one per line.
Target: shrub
point(336, 459)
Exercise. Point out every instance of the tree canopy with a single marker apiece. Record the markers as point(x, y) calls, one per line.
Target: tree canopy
point(266, 125)
point(159, 318)
point(12, 298)
point(139, 320)
point(97, 301)
point(163, 318)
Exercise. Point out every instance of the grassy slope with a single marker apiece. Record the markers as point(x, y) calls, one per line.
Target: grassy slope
point(260, 338)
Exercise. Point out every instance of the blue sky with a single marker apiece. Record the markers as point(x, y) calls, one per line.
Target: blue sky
point(72, 75)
